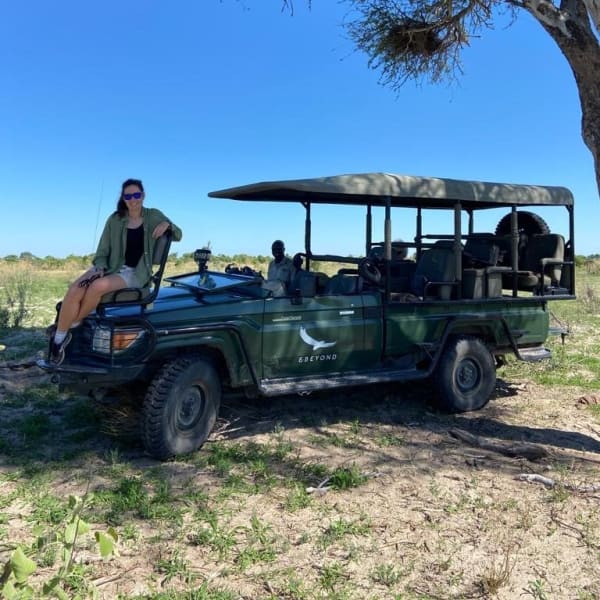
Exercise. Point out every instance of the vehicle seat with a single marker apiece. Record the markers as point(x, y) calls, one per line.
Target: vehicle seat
point(481, 250)
point(542, 262)
point(402, 274)
point(303, 283)
point(481, 277)
point(322, 279)
point(435, 273)
point(505, 244)
point(343, 284)
point(147, 294)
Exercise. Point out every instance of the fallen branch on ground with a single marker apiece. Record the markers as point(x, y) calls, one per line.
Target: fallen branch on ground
point(515, 450)
point(551, 483)
point(320, 489)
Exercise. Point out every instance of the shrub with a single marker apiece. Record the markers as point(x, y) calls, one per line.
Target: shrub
point(15, 295)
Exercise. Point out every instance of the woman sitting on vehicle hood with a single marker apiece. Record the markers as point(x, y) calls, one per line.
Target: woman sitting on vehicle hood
point(123, 259)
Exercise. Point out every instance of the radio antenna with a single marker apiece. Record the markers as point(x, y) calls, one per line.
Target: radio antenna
point(98, 214)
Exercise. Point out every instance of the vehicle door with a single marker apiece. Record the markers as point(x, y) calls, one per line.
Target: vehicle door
point(305, 337)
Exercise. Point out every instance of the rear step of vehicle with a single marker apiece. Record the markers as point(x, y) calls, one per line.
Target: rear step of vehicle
point(534, 354)
point(293, 385)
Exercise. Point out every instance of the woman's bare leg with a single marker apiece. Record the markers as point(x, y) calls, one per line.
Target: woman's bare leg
point(71, 303)
point(95, 291)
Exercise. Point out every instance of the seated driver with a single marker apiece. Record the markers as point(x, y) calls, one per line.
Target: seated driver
point(280, 268)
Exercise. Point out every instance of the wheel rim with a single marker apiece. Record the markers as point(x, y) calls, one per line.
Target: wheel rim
point(468, 375)
point(190, 408)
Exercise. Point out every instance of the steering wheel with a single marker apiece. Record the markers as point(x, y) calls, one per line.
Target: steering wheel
point(369, 271)
point(298, 260)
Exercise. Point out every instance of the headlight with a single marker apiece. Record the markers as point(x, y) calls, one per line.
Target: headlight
point(119, 340)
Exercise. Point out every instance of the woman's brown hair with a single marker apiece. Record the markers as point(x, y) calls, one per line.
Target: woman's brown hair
point(121, 204)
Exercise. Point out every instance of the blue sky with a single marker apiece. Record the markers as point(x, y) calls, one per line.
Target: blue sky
point(193, 96)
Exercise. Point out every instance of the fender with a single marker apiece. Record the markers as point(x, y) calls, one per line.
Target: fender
point(226, 339)
point(494, 328)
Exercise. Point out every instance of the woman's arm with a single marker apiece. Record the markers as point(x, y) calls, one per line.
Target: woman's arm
point(162, 223)
point(103, 251)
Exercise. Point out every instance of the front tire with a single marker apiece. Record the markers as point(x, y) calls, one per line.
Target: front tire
point(180, 407)
point(466, 375)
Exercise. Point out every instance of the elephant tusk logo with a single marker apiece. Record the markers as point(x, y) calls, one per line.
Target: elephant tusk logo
point(316, 344)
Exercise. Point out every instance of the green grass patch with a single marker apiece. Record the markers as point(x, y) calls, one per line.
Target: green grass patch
point(344, 478)
point(49, 509)
point(204, 592)
point(135, 497)
point(340, 528)
point(39, 397)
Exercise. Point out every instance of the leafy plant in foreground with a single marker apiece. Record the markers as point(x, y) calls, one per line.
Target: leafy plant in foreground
point(16, 579)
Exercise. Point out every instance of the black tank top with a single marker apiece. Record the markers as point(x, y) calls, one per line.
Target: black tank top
point(135, 246)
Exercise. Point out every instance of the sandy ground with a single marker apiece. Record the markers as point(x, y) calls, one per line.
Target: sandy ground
point(436, 517)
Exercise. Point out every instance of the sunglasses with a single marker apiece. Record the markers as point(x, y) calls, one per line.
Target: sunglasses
point(136, 195)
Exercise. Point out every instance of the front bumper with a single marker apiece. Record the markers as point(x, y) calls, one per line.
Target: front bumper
point(93, 362)
point(86, 379)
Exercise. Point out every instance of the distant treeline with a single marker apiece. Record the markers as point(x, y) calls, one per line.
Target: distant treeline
point(51, 262)
point(83, 261)
point(218, 262)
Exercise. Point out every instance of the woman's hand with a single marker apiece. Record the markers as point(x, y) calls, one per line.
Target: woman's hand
point(90, 276)
point(160, 229)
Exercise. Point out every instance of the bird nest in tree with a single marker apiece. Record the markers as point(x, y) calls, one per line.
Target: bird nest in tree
point(412, 37)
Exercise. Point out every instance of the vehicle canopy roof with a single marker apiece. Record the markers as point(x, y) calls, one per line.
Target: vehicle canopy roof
point(402, 190)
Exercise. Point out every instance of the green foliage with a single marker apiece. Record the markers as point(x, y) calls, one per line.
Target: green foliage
point(151, 500)
point(341, 528)
point(68, 580)
point(175, 566)
point(204, 592)
point(33, 427)
point(579, 260)
point(536, 589)
point(211, 534)
point(332, 576)
point(576, 361)
point(49, 509)
point(260, 544)
point(386, 574)
point(15, 297)
point(347, 477)
point(297, 498)
point(41, 396)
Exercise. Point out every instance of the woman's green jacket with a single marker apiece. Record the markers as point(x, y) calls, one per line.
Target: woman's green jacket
point(110, 254)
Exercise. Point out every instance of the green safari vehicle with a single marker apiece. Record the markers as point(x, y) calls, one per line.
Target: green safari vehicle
point(447, 305)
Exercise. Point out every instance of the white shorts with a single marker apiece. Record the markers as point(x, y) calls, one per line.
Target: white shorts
point(127, 274)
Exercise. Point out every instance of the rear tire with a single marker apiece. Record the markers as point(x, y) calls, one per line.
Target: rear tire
point(180, 407)
point(466, 375)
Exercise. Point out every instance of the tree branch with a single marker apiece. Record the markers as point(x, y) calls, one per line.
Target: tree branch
point(593, 10)
point(548, 14)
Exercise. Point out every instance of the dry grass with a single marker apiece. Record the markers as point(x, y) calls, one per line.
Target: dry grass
point(410, 512)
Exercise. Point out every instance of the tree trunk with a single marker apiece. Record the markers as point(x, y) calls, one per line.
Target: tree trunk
point(570, 28)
